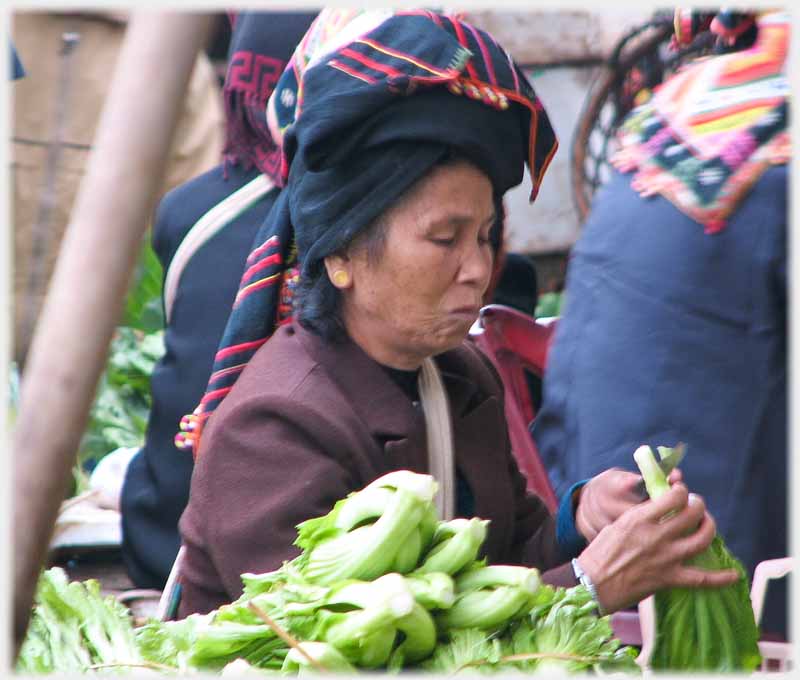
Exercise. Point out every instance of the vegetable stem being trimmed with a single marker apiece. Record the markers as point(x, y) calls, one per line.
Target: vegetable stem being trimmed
point(654, 479)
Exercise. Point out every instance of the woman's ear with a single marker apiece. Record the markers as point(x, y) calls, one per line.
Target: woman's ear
point(339, 270)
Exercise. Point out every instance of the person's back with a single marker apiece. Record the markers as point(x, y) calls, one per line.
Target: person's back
point(156, 486)
point(672, 333)
point(203, 233)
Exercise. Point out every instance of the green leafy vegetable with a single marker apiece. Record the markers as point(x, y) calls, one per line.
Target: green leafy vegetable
point(144, 310)
point(564, 633)
point(549, 304)
point(314, 615)
point(702, 629)
point(119, 414)
point(455, 545)
point(73, 627)
point(333, 552)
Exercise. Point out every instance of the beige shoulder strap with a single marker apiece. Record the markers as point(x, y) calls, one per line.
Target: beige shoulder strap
point(438, 425)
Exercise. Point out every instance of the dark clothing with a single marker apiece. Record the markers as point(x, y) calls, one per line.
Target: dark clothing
point(309, 422)
point(156, 486)
point(672, 334)
point(518, 285)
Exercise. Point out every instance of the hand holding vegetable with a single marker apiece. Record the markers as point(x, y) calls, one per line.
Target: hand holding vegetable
point(645, 550)
point(603, 499)
point(607, 496)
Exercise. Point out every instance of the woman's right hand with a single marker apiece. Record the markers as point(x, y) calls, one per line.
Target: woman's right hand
point(647, 547)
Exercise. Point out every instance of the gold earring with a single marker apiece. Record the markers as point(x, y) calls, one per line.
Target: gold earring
point(341, 278)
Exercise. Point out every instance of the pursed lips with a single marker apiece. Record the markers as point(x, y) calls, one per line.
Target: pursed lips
point(468, 309)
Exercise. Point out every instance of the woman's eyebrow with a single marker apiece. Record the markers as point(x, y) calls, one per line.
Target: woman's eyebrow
point(459, 220)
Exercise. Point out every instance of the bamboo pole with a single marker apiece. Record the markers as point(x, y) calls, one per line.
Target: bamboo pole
point(86, 293)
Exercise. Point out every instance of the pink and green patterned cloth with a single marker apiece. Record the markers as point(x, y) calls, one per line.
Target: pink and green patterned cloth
point(709, 132)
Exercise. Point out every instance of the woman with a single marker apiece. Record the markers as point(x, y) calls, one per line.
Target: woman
point(408, 136)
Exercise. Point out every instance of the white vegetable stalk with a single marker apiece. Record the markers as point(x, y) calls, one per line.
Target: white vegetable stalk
point(455, 545)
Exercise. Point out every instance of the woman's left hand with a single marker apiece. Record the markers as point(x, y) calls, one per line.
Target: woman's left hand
point(606, 496)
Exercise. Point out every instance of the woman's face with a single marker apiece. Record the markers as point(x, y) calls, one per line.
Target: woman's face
point(422, 294)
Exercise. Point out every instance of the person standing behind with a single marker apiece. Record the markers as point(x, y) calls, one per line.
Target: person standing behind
point(675, 329)
point(203, 232)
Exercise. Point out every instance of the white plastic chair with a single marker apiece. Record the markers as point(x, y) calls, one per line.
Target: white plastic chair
point(782, 653)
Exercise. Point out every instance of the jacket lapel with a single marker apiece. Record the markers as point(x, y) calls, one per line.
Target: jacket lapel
point(399, 426)
point(386, 411)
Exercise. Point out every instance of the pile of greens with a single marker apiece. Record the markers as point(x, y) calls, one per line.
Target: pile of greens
point(381, 584)
point(73, 628)
point(701, 629)
point(121, 407)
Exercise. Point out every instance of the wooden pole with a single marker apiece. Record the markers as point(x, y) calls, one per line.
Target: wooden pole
point(87, 289)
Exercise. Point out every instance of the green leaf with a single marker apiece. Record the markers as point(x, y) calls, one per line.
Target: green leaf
point(121, 408)
point(143, 306)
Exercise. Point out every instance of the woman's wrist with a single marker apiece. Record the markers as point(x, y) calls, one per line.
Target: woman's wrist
point(586, 581)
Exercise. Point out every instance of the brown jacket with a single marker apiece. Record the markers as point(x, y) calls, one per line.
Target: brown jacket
point(309, 422)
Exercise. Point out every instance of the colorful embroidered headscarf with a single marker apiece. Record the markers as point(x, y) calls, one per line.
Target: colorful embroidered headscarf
point(370, 116)
point(733, 29)
point(712, 129)
point(261, 46)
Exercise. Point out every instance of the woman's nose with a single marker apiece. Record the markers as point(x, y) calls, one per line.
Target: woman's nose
point(476, 265)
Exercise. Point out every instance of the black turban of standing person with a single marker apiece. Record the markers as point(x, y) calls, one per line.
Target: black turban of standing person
point(361, 124)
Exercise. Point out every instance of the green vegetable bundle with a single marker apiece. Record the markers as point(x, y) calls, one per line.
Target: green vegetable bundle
point(118, 417)
point(381, 584)
point(701, 629)
point(560, 632)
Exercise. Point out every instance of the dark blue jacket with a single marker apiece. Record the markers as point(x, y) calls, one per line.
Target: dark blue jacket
point(156, 487)
point(670, 334)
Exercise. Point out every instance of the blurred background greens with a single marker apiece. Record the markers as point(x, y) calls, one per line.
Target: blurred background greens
point(119, 413)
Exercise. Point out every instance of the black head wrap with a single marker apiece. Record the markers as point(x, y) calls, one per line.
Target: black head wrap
point(365, 122)
point(338, 191)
